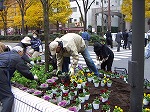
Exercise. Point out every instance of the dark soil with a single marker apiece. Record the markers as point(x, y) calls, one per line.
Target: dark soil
point(119, 96)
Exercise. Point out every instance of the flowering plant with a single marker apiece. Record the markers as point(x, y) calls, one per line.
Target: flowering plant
point(87, 106)
point(72, 93)
point(37, 93)
point(46, 97)
point(105, 93)
point(117, 109)
point(147, 96)
point(96, 100)
point(96, 81)
point(44, 85)
point(105, 107)
point(90, 75)
point(81, 95)
point(79, 81)
point(109, 81)
point(62, 103)
point(73, 109)
point(146, 110)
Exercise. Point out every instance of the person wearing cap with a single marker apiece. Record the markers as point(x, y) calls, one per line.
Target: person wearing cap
point(10, 62)
point(36, 44)
point(25, 42)
point(71, 44)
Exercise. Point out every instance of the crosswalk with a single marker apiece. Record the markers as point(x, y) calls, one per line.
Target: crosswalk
point(123, 54)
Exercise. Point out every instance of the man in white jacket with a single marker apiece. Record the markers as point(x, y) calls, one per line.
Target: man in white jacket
point(71, 44)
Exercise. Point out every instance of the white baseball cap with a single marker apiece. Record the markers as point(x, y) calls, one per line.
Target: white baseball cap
point(52, 46)
point(26, 40)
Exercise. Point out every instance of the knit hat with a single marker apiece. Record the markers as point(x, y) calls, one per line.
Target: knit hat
point(52, 46)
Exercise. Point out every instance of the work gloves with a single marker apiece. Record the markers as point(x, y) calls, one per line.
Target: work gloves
point(71, 71)
point(32, 63)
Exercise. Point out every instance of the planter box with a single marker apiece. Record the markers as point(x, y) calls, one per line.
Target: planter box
point(25, 102)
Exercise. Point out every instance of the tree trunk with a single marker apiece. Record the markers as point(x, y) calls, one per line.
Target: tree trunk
point(46, 32)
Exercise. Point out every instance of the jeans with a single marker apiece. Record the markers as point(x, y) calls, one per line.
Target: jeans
point(89, 62)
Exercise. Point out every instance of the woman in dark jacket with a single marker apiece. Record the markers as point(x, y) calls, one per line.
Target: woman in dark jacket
point(104, 55)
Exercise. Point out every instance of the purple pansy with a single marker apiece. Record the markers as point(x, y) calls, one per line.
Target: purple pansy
point(74, 109)
point(62, 103)
point(46, 97)
point(44, 85)
point(50, 81)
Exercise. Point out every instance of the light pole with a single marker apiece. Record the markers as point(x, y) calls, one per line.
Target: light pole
point(102, 19)
point(109, 17)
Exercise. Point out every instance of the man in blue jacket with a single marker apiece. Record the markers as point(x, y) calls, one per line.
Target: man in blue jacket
point(86, 37)
point(10, 62)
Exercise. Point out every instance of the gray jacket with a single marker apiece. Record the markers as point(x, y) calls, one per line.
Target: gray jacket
point(118, 37)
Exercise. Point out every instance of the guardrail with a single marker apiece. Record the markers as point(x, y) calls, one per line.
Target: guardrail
point(25, 102)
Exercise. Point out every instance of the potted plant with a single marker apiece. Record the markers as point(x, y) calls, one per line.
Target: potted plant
point(96, 82)
point(87, 95)
point(88, 107)
point(71, 94)
point(65, 89)
point(79, 83)
point(109, 82)
point(117, 109)
point(104, 97)
point(106, 108)
point(96, 103)
point(90, 77)
point(82, 97)
point(148, 85)
point(58, 97)
point(146, 99)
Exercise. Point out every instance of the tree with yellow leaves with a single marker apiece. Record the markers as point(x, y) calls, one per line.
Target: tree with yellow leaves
point(6, 19)
point(59, 12)
point(126, 9)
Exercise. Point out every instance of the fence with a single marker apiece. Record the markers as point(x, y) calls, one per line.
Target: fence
point(25, 102)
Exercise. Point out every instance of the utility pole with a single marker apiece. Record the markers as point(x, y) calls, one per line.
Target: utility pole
point(136, 65)
point(109, 17)
point(102, 19)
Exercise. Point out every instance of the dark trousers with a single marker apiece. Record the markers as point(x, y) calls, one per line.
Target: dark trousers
point(108, 64)
point(65, 65)
point(118, 47)
point(6, 96)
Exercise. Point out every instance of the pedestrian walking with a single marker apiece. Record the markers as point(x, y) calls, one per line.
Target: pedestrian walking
point(118, 40)
point(129, 39)
point(10, 62)
point(109, 40)
point(36, 45)
point(25, 43)
point(104, 55)
point(86, 37)
point(72, 44)
point(125, 38)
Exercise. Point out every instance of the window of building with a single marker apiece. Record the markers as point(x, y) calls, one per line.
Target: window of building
point(75, 20)
point(74, 9)
point(97, 3)
point(70, 20)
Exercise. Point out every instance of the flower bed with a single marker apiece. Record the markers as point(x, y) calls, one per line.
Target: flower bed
point(68, 93)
